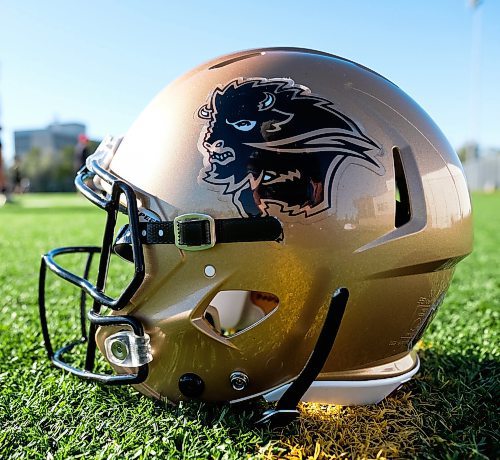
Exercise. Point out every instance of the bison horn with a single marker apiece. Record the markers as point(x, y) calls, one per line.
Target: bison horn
point(205, 112)
point(268, 102)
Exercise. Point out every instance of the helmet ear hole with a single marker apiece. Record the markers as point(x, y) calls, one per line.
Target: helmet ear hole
point(231, 312)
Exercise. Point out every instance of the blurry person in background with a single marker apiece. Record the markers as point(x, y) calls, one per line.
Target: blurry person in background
point(81, 152)
point(18, 182)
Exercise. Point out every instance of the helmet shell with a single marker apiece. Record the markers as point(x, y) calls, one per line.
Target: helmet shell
point(346, 234)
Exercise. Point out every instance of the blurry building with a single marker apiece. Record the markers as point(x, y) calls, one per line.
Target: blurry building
point(49, 140)
point(483, 172)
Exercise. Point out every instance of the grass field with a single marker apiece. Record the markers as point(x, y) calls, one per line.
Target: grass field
point(450, 410)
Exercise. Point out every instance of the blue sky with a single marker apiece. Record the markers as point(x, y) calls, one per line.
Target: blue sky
point(100, 62)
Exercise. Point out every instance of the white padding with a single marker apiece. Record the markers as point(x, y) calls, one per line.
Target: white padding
point(349, 392)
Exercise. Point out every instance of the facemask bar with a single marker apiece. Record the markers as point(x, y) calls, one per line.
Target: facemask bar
point(111, 205)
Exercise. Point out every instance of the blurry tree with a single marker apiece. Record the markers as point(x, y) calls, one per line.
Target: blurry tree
point(468, 151)
point(92, 146)
point(51, 173)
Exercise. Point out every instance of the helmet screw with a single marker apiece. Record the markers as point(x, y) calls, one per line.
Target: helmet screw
point(239, 380)
point(119, 350)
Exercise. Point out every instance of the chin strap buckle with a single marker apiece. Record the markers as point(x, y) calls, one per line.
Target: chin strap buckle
point(194, 232)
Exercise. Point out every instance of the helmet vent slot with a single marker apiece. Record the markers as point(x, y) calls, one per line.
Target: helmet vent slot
point(232, 312)
point(233, 60)
point(402, 199)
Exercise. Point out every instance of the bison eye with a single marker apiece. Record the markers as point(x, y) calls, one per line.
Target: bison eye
point(242, 125)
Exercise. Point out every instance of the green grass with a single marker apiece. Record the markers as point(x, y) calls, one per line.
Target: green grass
point(451, 409)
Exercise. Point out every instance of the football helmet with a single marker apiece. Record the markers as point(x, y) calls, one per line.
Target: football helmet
point(294, 221)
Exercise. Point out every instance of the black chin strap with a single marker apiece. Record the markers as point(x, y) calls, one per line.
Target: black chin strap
point(196, 232)
point(199, 232)
point(286, 408)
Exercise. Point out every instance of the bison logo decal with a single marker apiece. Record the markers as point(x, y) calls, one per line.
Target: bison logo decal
point(271, 142)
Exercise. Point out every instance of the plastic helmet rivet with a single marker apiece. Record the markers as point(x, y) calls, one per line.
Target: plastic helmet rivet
point(119, 349)
point(239, 381)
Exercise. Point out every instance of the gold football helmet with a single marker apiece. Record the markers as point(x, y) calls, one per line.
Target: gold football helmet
point(294, 220)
